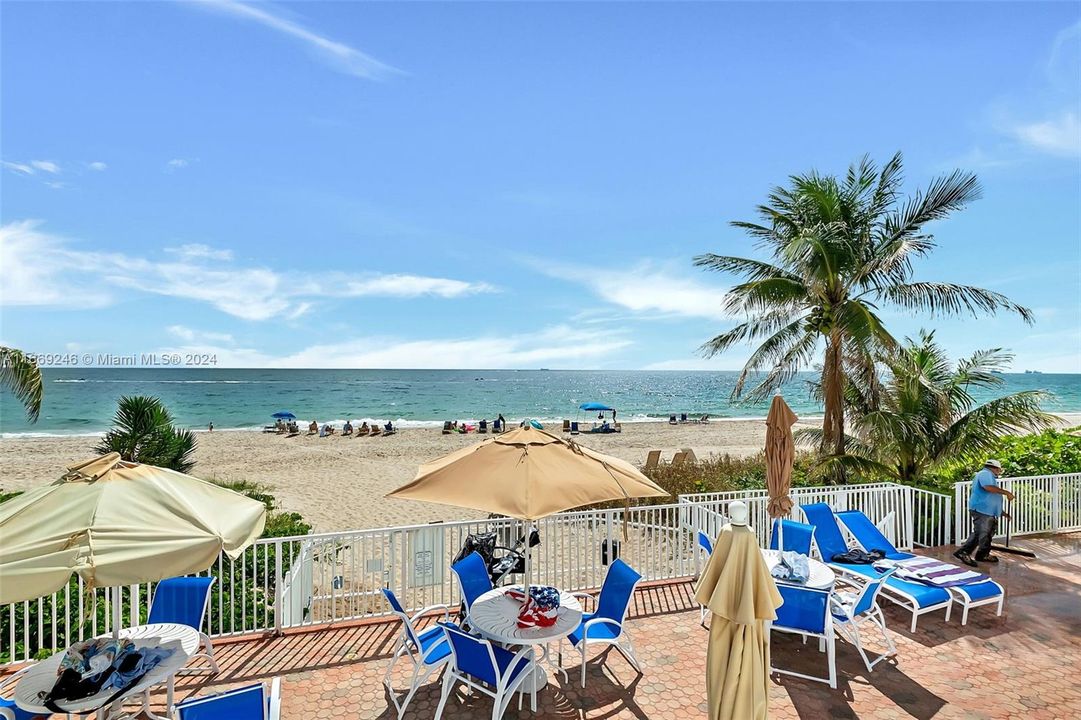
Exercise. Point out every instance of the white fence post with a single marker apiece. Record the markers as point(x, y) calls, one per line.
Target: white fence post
point(1056, 503)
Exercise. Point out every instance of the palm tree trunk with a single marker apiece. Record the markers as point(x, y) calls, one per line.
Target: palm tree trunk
point(833, 427)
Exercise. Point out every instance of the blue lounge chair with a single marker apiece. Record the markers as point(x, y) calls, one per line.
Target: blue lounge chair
point(606, 626)
point(917, 598)
point(427, 650)
point(480, 665)
point(806, 612)
point(707, 546)
point(473, 578)
point(246, 703)
point(797, 536)
point(869, 537)
point(850, 610)
point(183, 601)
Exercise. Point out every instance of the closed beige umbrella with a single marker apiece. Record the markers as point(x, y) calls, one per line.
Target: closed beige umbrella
point(527, 474)
point(780, 452)
point(737, 588)
point(117, 523)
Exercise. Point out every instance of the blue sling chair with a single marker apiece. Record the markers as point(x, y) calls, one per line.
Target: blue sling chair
point(869, 537)
point(607, 624)
point(247, 703)
point(797, 536)
point(917, 598)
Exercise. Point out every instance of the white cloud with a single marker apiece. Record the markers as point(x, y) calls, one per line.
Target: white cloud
point(1059, 135)
point(194, 251)
point(98, 166)
point(188, 335)
point(42, 269)
point(46, 166)
point(21, 168)
point(340, 56)
point(646, 288)
point(556, 346)
point(176, 164)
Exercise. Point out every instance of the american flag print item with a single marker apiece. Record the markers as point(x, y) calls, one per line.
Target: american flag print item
point(540, 610)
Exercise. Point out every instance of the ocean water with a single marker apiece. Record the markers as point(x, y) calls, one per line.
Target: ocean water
point(83, 401)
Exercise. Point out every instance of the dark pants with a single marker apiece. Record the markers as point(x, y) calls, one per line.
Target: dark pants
point(984, 528)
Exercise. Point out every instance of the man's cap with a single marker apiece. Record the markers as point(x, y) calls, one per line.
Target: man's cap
point(993, 464)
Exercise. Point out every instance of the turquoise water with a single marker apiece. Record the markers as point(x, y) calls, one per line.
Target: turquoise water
point(84, 400)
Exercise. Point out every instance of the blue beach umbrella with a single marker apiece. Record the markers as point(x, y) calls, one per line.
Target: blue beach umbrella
point(284, 415)
point(595, 406)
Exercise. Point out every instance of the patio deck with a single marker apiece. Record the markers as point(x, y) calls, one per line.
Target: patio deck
point(1024, 664)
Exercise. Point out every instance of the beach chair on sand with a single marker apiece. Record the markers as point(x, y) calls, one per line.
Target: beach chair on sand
point(869, 537)
point(447, 429)
point(689, 456)
point(566, 426)
point(389, 429)
point(574, 428)
point(679, 458)
point(376, 430)
point(682, 418)
point(917, 598)
point(672, 420)
point(704, 420)
point(482, 427)
point(653, 459)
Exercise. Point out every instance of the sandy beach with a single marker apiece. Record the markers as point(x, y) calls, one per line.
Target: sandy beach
point(338, 483)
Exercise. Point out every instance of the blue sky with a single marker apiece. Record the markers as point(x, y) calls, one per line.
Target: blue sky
point(504, 185)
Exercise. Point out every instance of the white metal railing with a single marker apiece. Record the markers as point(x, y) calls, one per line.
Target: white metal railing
point(1043, 504)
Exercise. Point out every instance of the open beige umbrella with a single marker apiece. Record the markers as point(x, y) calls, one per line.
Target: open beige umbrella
point(527, 474)
point(118, 523)
point(780, 452)
point(737, 588)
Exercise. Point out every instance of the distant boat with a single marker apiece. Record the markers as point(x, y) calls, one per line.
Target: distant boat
point(1033, 372)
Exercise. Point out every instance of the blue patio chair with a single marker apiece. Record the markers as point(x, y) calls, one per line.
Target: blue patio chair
point(869, 537)
point(183, 601)
point(850, 610)
point(480, 665)
point(473, 578)
point(8, 709)
point(917, 598)
point(607, 626)
point(427, 650)
point(247, 703)
point(797, 536)
point(706, 546)
point(806, 612)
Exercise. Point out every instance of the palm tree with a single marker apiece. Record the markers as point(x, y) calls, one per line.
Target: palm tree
point(21, 375)
point(143, 432)
point(920, 414)
point(839, 248)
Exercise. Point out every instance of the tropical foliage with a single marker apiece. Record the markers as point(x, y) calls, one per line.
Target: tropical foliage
point(918, 415)
point(143, 432)
point(839, 248)
point(20, 375)
point(1050, 452)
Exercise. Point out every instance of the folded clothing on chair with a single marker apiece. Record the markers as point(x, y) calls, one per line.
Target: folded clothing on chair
point(930, 571)
point(793, 567)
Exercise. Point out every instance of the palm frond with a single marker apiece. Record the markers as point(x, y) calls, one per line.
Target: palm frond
point(951, 299)
point(22, 377)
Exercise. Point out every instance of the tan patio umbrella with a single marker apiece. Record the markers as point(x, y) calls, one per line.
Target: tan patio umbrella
point(780, 452)
point(118, 523)
point(737, 588)
point(527, 474)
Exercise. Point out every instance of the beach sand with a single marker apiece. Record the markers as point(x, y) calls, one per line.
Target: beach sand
point(338, 483)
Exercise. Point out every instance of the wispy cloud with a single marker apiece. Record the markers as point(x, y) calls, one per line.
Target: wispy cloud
point(32, 167)
point(97, 166)
point(177, 164)
point(42, 269)
point(647, 288)
point(338, 55)
point(557, 346)
point(188, 335)
point(1059, 135)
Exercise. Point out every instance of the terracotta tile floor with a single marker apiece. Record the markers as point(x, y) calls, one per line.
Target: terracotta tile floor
point(1025, 664)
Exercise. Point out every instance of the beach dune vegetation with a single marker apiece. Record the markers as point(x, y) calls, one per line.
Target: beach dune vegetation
point(143, 432)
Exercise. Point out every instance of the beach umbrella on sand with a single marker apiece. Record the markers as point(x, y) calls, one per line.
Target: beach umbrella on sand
point(118, 523)
point(738, 590)
point(780, 453)
point(527, 474)
point(284, 415)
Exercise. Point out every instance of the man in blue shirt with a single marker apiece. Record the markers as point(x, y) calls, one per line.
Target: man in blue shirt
point(985, 508)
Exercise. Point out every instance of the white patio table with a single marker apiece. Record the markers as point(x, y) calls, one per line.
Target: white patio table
point(822, 575)
point(183, 640)
point(495, 615)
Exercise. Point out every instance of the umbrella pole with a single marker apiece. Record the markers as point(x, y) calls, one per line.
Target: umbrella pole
point(525, 525)
point(116, 611)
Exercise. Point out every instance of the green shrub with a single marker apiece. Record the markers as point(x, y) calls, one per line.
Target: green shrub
point(1051, 452)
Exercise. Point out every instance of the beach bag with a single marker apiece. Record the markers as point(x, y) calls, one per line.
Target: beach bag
point(540, 609)
point(855, 556)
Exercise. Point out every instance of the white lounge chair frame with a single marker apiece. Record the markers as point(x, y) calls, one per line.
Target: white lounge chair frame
point(827, 641)
point(422, 669)
point(848, 627)
point(505, 687)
